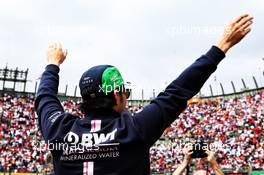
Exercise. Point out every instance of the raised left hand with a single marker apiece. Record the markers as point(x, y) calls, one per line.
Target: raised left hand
point(55, 54)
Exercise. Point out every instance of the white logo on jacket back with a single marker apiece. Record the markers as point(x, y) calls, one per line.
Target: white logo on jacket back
point(89, 139)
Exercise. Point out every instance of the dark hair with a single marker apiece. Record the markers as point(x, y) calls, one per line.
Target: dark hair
point(100, 102)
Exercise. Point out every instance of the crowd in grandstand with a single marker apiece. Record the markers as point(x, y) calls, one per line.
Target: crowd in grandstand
point(236, 125)
point(18, 133)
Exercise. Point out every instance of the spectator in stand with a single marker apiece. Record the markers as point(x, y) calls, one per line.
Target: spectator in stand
point(187, 150)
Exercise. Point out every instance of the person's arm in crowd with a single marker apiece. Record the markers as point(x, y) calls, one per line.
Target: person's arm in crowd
point(213, 163)
point(162, 111)
point(47, 104)
point(187, 151)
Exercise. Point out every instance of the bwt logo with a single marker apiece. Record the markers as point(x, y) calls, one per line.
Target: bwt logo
point(89, 139)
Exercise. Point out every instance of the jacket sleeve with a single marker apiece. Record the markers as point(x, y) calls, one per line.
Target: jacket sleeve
point(162, 111)
point(48, 107)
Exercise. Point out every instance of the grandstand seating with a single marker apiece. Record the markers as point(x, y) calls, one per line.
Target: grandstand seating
point(236, 124)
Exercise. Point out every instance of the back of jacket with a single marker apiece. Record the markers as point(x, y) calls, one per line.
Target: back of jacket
point(110, 143)
point(107, 144)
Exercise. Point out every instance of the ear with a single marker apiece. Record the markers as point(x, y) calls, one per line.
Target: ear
point(117, 100)
point(117, 96)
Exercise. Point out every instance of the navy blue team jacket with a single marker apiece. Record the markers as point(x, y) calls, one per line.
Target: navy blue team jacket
point(110, 143)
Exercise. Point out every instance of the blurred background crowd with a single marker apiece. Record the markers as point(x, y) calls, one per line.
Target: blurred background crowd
point(234, 124)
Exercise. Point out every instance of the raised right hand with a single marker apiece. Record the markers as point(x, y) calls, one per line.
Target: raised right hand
point(235, 31)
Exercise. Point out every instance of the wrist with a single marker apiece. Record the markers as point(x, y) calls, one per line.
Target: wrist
point(223, 46)
point(53, 67)
point(186, 160)
point(213, 164)
point(54, 63)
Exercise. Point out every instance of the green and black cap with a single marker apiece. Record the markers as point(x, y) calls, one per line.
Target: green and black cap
point(101, 80)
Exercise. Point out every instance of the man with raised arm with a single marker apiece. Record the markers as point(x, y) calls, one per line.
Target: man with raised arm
point(109, 140)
